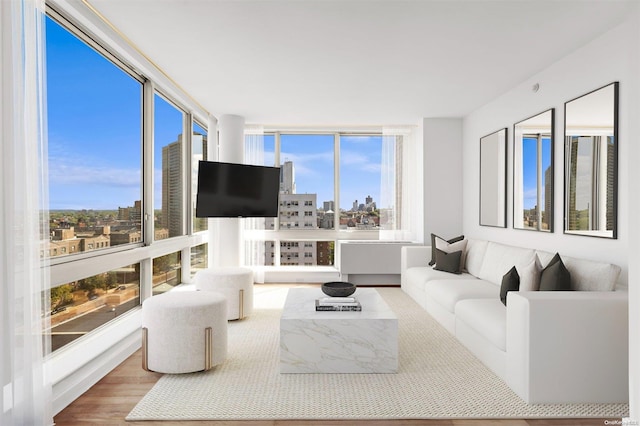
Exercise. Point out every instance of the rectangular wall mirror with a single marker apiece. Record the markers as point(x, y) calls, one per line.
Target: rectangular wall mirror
point(533, 173)
point(591, 163)
point(493, 182)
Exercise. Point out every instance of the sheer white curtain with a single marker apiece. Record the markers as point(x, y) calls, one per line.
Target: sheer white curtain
point(254, 250)
point(24, 282)
point(401, 185)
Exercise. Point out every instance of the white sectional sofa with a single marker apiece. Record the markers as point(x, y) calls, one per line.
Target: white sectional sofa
point(548, 346)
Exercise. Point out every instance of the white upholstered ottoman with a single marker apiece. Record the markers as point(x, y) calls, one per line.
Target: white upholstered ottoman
point(236, 284)
point(184, 331)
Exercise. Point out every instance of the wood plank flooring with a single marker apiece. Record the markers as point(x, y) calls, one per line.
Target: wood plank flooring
point(110, 400)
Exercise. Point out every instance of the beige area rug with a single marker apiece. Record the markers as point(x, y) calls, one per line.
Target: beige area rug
point(437, 378)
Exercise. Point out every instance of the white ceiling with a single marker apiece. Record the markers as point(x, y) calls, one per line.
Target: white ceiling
point(355, 62)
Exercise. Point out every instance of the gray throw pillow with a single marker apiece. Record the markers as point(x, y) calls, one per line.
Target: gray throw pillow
point(555, 277)
point(510, 282)
point(433, 246)
point(448, 262)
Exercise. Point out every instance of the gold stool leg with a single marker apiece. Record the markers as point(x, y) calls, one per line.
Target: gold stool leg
point(241, 307)
point(208, 348)
point(145, 349)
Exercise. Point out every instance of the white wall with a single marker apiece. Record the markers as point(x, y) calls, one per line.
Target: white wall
point(601, 62)
point(442, 177)
point(634, 225)
point(611, 57)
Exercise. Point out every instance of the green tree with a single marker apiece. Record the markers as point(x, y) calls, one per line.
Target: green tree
point(91, 284)
point(111, 280)
point(61, 295)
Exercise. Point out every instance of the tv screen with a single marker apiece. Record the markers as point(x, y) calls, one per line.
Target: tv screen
point(237, 190)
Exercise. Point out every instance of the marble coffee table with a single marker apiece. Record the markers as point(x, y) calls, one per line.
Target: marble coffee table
point(337, 342)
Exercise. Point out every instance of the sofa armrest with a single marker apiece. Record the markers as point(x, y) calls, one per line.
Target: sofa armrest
point(568, 347)
point(411, 256)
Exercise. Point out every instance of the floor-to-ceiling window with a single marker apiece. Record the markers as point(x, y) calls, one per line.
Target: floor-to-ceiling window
point(95, 182)
point(95, 148)
point(330, 189)
point(168, 121)
point(109, 178)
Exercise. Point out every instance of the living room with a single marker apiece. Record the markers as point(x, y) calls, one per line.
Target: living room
point(565, 68)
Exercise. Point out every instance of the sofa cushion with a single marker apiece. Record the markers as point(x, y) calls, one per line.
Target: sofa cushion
point(420, 275)
point(488, 317)
point(510, 282)
point(555, 277)
point(448, 292)
point(475, 255)
point(433, 246)
point(530, 275)
point(586, 275)
point(447, 247)
point(448, 262)
point(499, 258)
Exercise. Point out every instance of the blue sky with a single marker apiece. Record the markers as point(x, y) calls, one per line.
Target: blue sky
point(94, 112)
point(529, 172)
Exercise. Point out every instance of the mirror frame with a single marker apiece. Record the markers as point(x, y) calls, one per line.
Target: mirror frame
point(567, 159)
point(551, 211)
point(501, 174)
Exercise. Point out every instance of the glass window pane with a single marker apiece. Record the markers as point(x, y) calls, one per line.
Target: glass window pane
point(259, 252)
point(580, 191)
point(530, 182)
point(303, 253)
point(94, 112)
point(360, 179)
point(167, 133)
point(199, 258)
point(199, 152)
point(307, 170)
point(167, 272)
point(547, 184)
point(81, 306)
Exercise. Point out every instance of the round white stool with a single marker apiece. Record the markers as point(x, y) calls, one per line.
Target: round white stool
point(184, 331)
point(236, 284)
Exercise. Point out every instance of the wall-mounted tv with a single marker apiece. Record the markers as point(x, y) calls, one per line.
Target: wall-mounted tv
point(237, 190)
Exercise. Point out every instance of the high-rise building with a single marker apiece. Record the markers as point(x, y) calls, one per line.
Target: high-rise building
point(296, 211)
point(287, 178)
point(131, 214)
point(611, 170)
point(171, 218)
point(547, 214)
point(199, 144)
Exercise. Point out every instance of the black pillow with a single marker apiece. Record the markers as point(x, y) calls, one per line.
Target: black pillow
point(555, 277)
point(448, 262)
point(510, 282)
point(433, 246)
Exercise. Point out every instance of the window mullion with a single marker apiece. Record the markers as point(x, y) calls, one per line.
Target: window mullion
point(187, 155)
point(336, 182)
point(148, 161)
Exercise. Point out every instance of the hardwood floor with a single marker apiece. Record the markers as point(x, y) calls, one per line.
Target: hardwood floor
point(110, 400)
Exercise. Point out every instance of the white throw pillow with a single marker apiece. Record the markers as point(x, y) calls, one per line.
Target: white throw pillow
point(530, 275)
point(453, 247)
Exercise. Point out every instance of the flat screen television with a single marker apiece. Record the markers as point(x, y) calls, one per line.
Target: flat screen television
point(237, 190)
